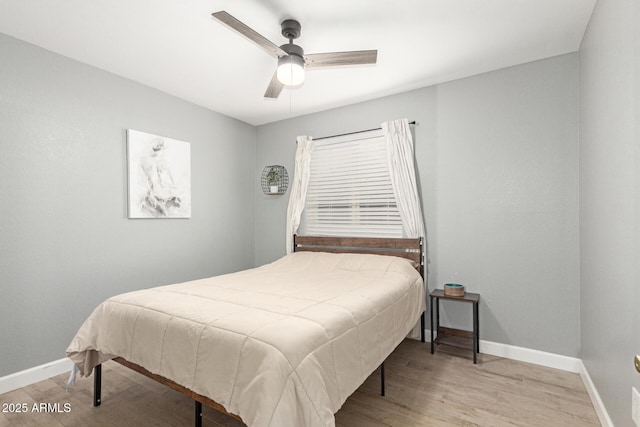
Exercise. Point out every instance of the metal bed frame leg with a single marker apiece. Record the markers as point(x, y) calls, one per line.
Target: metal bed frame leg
point(198, 414)
point(97, 385)
point(422, 338)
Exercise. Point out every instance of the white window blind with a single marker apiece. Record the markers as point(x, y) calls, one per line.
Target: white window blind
point(350, 191)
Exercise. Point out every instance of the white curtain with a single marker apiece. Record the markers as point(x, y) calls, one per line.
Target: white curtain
point(400, 159)
point(298, 188)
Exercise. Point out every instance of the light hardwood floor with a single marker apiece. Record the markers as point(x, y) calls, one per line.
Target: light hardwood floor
point(444, 389)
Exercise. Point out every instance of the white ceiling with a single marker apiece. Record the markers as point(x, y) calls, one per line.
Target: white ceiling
point(175, 45)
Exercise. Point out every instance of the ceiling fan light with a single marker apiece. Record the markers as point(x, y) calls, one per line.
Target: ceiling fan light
point(291, 70)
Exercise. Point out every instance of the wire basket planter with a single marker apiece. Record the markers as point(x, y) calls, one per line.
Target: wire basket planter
point(274, 180)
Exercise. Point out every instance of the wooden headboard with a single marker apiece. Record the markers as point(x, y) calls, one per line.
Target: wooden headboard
point(410, 248)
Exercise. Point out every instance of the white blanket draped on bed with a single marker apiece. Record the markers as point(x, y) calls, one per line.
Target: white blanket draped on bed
point(284, 344)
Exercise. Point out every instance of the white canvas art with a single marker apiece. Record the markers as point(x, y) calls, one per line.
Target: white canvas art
point(159, 176)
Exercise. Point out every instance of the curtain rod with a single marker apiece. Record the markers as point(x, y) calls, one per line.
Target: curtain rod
point(353, 133)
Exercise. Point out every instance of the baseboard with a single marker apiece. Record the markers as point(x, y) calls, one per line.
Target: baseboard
point(33, 375)
point(603, 415)
point(550, 360)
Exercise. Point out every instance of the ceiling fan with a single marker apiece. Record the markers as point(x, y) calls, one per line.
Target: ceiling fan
point(292, 60)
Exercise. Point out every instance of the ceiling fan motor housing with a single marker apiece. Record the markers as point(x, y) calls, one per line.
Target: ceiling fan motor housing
point(293, 49)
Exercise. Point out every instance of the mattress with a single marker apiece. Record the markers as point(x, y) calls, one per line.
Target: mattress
point(284, 344)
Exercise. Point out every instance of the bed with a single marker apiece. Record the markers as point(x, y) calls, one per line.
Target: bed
point(284, 344)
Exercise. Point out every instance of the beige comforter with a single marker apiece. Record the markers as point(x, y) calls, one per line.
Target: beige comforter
point(284, 344)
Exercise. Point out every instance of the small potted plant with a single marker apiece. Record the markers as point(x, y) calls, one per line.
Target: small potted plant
point(273, 178)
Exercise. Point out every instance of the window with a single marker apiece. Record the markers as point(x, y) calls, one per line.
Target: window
point(350, 191)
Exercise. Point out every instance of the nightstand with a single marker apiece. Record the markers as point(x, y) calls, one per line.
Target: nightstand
point(455, 337)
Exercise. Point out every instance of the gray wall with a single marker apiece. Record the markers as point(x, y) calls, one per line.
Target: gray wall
point(497, 160)
point(66, 243)
point(610, 202)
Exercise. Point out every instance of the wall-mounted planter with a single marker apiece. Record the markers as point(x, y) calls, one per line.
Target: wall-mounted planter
point(274, 180)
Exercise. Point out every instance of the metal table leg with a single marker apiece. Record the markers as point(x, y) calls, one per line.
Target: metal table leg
point(476, 337)
point(431, 318)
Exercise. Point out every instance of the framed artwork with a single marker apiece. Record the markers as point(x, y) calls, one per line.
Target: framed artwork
point(159, 172)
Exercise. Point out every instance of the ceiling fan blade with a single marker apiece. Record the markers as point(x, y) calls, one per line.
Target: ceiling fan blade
point(249, 33)
point(335, 59)
point(274, 88)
